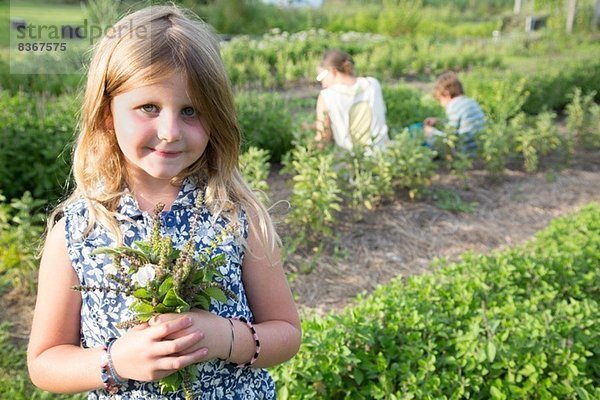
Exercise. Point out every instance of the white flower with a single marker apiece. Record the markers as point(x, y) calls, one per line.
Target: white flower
point(110, 269)
point(144, 275)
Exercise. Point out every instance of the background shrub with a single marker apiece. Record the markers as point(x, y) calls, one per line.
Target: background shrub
point(515, 324)
point(265, 122)
point(36, 132)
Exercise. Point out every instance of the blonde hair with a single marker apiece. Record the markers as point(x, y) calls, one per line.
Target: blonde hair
point(448, 83)
point(140, 49)
point(338, 59)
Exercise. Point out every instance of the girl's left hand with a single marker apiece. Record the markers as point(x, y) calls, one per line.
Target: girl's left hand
point(216, 332)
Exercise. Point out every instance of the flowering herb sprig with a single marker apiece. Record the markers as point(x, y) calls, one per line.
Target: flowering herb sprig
point(163, 279)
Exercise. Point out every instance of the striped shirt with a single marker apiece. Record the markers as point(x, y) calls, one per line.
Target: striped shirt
point(466, 116)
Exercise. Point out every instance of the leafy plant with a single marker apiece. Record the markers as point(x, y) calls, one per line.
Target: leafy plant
point(265, 122)
point(21, 227)
point(582, 118)
point(515, 324)
point(255, 166)
point(316, 194)
point(163, 279)
point(411, 162)
point(36, 133)
point(538, 140)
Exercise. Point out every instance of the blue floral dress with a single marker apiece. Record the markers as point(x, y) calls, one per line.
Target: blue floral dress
point(100, 311)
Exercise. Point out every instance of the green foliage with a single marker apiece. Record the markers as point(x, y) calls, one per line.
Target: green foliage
point(366, 178)
point(280, 57)
point(316, 194)
point(516, 324)
point(411, 162)
point(14, 379)
point(501, 100)
point(21, 227)
point(36, 134)
point(583, 118)
point(102, 13)
point(255, 167)
point(553, 88)
point(265, 122)
point(537, 139)
point(450, 147)
point(406, 106)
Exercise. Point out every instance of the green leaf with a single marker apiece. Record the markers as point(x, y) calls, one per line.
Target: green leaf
point(216, 293)
point(172, 299)
point(123, 251)
point(143, 308)
point(170, 383)
point(162, 309)
point(527, 370)
point(202, 301)
point(491, 351)
point(142, 293)
point(496, 393)
point(144, 317)
point(165, 286)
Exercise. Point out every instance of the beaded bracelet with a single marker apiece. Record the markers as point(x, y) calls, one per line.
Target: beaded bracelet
point(112, 383)
point(256, 342)
point(111, 367)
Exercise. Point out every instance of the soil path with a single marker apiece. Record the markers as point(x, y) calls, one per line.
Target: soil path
point(403, 237)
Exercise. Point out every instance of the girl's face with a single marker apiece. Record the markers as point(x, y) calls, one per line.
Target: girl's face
point(158, 130)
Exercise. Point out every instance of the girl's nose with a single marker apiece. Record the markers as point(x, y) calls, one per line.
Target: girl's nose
point(168, 127)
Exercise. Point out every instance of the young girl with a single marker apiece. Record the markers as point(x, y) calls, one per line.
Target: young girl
point(158, 125)
point(350, 109)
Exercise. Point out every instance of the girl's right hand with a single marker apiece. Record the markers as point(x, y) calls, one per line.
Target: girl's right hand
point(143, 354)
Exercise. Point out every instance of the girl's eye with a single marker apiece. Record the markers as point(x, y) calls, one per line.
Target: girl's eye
point(188, 112)
point(149, 108)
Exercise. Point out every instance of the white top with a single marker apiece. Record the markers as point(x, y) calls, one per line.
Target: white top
point(357, 113)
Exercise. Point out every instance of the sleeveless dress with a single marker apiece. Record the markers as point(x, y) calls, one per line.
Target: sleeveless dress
point(100, 312)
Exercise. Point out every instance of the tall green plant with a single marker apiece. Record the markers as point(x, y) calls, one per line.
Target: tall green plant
point(582, 118)
point(255, 166)
point(537, 140)
point(412, 163)
point(316, 194)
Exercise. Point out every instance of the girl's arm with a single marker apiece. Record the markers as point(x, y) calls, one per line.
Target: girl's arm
point(55, 359)
point(323, 123)
point(276, 318)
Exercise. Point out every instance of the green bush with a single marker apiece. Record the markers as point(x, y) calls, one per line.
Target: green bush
point(406, 106)
point(255, 167)
point(316, 194)
point(21, 227)
point(536, 138)
point(265, 122)
point(552, 89)
point(583, 118)
point(36, 133)
point(521, 323)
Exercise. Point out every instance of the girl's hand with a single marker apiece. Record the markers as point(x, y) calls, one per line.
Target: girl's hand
point(431, 121)
point(146, 352)
point(215, 332)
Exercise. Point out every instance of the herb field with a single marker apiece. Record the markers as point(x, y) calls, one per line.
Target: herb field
point(420, 273)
